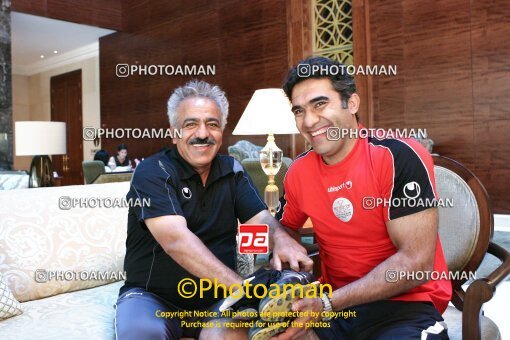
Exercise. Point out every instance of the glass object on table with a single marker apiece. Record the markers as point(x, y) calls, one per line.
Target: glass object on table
point(271, 162)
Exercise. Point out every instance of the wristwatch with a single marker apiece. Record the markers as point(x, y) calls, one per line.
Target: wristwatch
point(326, 307)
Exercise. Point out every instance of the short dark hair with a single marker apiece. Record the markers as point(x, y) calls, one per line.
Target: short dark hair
point(342, 82)
point(102, 155)
point(121, 147)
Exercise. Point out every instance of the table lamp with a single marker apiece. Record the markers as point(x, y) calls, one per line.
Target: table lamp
point(40, 139)
point(268, 113)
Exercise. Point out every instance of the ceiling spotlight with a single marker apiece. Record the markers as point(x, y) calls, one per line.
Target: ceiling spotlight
point(55, 51)
point(42, 56)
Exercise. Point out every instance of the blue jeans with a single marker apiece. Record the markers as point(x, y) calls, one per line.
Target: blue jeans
point(136, 317)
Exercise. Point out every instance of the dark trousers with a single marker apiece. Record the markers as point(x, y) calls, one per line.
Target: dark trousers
point(388, 320)
point(136, 317)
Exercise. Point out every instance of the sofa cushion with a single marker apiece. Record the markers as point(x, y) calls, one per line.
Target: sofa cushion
point(39, 234)
point(85, 314)
point(9, 306)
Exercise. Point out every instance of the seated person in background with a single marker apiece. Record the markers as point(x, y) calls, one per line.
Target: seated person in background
point(121, 159)
point(103, 156)
point(363, 246)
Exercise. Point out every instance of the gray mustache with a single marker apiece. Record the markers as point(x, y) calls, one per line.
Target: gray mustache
point(207, 141)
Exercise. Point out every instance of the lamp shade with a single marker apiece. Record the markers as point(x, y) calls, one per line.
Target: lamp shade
point(267, 112)
point(40, 138)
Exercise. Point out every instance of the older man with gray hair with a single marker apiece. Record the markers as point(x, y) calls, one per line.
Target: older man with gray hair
point(189, 230)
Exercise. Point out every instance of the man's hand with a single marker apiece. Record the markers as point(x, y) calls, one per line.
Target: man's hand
point(307, 305)
point(287, 250)
point(185, 248)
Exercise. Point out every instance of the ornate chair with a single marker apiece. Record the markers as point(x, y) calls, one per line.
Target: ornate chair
point(466, 231)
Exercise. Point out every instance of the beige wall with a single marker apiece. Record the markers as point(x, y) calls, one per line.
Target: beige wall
point(31, 100)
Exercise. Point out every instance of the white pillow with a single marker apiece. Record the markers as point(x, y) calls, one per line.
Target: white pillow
point(9, 306)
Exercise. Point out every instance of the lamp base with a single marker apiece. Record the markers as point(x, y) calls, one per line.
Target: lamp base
point(271, 161)
point(272, 196)
point(40, 172)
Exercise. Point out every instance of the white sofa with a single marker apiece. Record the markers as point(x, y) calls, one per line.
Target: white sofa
point(36, 234)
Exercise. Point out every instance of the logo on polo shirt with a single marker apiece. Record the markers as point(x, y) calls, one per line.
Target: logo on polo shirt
point(343, 209)
point(186, 192)
point(344, 185)
point(412, 190)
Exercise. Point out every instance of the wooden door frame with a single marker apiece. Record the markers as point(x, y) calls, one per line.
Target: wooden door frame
point(80, 116)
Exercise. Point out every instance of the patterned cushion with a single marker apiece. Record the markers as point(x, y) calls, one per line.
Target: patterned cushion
point(86, 314)
point(9, 306)
point(36, 236)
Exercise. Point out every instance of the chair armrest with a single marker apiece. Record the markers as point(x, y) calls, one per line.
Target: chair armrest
point(478, 292)
point(503, 270)
point(481, 291)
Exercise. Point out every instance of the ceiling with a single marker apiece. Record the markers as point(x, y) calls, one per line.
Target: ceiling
point(33, 36)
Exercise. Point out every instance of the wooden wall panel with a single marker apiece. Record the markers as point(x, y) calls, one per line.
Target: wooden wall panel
point(491, 100)
point(453, 61)
point(385, 44)
point(34, 7)
point(140, 15)
point(362, 56)
point(245, 40)
point(101, 13)
point(299, 35)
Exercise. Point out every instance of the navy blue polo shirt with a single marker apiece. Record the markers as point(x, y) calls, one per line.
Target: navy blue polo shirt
point(211, 212)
